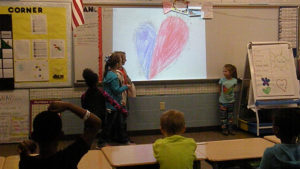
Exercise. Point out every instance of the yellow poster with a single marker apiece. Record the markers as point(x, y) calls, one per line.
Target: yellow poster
point(37, 36)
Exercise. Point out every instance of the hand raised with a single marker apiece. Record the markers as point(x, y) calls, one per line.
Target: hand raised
point(27, 147)
point(57, 106)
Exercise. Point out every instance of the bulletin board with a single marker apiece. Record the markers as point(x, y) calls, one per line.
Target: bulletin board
point(36, 49)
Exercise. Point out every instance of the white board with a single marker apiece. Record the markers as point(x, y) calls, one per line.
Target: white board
point(273, 72)
point(227, 34)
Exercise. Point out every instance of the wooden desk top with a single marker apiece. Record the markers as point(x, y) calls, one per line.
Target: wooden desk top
point(273, 139)
point(131, 155)
point(12, 162)
point(2, 161)
point(94, 159)
point(238, 149)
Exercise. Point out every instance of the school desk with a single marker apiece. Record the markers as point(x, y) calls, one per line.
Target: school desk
point(273, 139)
point(94, 159)
point(233, 150)
point(12, 162)
point(136, 155)
point(2, 161)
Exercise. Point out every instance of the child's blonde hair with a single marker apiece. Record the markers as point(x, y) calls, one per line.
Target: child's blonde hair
point(232, 69)
point(172, 122)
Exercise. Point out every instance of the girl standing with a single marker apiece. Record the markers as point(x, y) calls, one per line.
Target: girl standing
point(94, 100)
point(116, 121)
point(226, 99)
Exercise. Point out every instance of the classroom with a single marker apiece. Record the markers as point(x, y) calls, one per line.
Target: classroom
point(230, 66)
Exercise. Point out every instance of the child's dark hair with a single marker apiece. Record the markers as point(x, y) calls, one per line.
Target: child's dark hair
point(111, 62)
point(47, 127)
point(90, 77)
point(172, 122)
point(232, 69)
point(287, 120)
point(120, 52)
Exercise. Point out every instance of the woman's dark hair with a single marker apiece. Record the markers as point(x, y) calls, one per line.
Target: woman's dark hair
point(111, 62)
point(232, 69)
point(90, 77)
point(47, 127)
point(287, 120)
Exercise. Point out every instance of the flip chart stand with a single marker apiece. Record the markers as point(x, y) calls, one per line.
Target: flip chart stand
point(270, 76)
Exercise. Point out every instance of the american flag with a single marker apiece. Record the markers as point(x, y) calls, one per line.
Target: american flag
point(77, 13)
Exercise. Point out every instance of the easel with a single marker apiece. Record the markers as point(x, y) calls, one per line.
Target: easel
point(266, 90)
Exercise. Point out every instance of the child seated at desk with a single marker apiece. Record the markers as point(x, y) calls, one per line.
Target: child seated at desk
point(287, 154)
point(47, 130)
point(174, 151)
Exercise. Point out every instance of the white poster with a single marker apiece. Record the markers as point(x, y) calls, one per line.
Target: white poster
point(22, 49)
point(39, 24)
point(57, 48)
point(40, 48)
point(85, 38)
point(274, 74)
point(31, 70)
point(14, 116)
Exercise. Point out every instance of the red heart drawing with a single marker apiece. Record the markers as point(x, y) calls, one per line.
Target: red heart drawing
point(170, 41)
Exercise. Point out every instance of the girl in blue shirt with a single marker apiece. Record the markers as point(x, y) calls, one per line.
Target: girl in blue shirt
point(116, 121)
point(226, 99)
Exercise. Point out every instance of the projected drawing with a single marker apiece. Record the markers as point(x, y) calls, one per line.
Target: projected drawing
point(160, 46)
point(158, 51)
point(144, 42)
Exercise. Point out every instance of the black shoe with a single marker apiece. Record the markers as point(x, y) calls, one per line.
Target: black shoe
point(225, 132)
point(231, 132)
point(101, 145)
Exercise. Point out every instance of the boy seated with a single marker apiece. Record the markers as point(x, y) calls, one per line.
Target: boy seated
point(47, 130)
point(174, 151)
point(286, 126)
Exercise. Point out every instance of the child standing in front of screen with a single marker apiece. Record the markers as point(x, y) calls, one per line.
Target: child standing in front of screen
point(226, 99)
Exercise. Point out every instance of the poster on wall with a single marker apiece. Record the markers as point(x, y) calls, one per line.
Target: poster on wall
point(35, 44)
point(6, 53)
point(86, 38)
point(14, 116)
point(38, 106)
